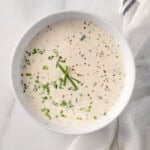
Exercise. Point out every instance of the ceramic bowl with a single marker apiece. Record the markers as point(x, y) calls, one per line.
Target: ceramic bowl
point(127, 59)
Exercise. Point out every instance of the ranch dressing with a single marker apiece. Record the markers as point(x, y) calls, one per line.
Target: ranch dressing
point(72, 73)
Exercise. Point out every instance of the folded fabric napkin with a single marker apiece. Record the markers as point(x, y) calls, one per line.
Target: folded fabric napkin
point(131, 131)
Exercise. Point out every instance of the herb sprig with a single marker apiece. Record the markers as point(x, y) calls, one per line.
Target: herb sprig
point(67, 76)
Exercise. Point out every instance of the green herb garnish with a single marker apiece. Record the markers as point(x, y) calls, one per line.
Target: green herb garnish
point(46, 88)
point(36, 81)
point(67, 76)
point(76, 80)
point(38, 51)
point(66, 104)
point(46, 112)
point(63, 103)
point(44, 99)
point(94, 117)
point(89, 108)
point(28, 74)
point(34, 51)
point(45, 67)
point(79, 118)
point(66, 72)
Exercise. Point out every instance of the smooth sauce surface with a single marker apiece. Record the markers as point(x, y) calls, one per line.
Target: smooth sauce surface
point(72, 73)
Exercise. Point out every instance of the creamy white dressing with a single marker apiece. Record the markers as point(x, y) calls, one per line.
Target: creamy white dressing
point(92, 56)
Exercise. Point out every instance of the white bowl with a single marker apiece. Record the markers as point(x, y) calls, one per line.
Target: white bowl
point(128, 65)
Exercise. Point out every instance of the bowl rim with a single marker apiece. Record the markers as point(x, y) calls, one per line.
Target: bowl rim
point(112, 27)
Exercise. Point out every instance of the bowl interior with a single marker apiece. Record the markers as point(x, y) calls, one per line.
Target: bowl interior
point(127, 59)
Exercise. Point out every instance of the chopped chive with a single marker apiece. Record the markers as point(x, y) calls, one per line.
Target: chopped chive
point(45, 67)
point(45, 97)
point(94, 117)
point(62, 69)
point(82, 37)
point(73, 84)
point(36, 81)
point(63, 103)
point(89, 108)
point(67, 104)
point(46, 88)
point(61, 83)
point(79, 118)
point(46, 112)
point(65, 78)
point(34, 51)
point(28, 74)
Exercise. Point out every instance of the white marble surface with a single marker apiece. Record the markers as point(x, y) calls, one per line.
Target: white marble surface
point(17, 130)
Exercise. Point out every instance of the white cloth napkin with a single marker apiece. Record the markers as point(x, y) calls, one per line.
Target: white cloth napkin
point(131, 131)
